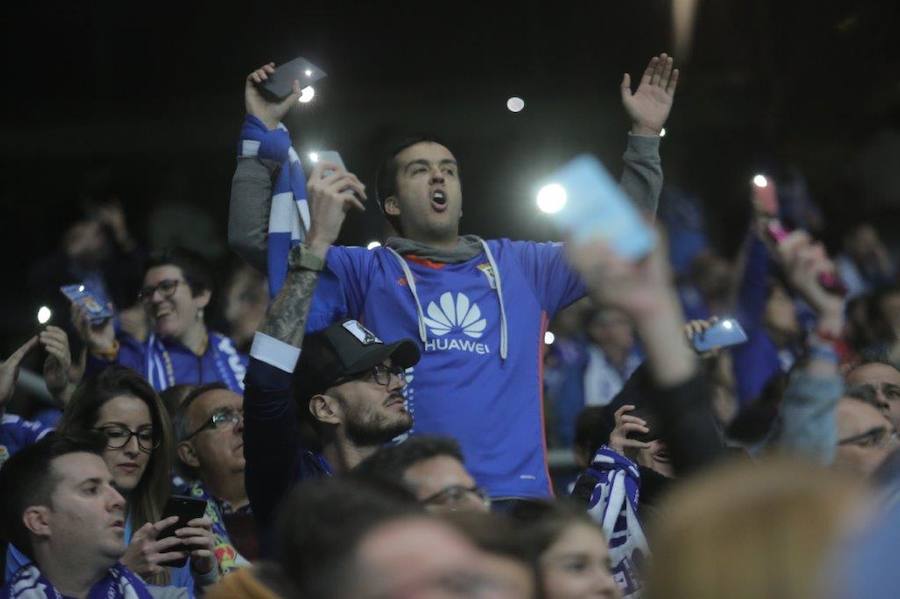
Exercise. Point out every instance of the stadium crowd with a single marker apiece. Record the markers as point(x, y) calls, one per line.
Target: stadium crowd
point(376, 423)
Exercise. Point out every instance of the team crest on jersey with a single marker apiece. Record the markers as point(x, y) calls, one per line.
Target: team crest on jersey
point(488, 271)
point(455, 314)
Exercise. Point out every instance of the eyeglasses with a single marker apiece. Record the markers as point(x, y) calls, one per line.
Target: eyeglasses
point(118, 437)
point(219, 419)
point(878, 437)
point(166, 287)
point(379, 373)
point(456, 495)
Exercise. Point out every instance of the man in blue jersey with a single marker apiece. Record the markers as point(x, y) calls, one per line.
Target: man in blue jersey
point(477, 308)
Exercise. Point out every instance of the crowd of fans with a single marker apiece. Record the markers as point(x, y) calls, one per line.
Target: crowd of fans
point(376, 422)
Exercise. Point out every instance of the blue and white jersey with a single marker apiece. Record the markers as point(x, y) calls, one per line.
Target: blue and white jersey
point(481, 335)
point(16, 434)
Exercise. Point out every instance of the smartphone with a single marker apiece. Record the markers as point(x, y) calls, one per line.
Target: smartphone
point(280, 84)
point(332, 157)
point(724, 333)
point(828, 280)
point(80, 294)
point(595, 207)
point(187, 509)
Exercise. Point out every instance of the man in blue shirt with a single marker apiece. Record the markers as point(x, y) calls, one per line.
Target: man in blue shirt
point(478, 309)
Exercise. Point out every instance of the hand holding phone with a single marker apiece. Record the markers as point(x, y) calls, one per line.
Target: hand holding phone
point(721, 334)
point(81, 295)
point(280, 84)
point(829, 281)
point(187, 509)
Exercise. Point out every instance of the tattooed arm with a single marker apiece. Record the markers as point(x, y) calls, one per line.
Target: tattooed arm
point(272, 446)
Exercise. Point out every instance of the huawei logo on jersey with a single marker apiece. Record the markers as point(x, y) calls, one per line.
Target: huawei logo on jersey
point(455, 315)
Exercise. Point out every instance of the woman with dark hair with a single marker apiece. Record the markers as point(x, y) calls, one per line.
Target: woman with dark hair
point(569, 551)
point(139, 453)
point(180, 349)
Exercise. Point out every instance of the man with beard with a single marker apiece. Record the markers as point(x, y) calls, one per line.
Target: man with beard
point(323, 414)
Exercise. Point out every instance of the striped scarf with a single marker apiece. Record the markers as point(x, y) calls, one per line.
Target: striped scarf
point(119, 583)
point(289, 215)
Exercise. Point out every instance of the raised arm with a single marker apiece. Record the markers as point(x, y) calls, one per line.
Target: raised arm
point(648, 107)
point(251, 186)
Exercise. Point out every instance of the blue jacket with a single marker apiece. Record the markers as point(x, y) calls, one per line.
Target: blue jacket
point(17, 433)
point(480, 327)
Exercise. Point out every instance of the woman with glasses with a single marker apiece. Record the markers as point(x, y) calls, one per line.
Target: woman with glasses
point(180, 349)
point(139, 453)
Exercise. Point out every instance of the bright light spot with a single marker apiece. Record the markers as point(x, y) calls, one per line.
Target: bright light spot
point(727, 325)
point(760, 181)
point(81, 288)
point(314, 156)
point(308, 72)
point(551, 198)
point(373, 244)
point(549, 338)
point(44, 315)
point(662, 132)
point(307, 94)
point(515, 104)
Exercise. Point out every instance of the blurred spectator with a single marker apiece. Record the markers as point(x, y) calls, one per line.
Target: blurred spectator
point(864, 265)
point(97, 251)
point(209, 430)
point(246, 299)
point(60, 507)
point(746, 530)
point(882, 380)
point(570, 554)
point(564, 364)
point(15, 432)
point(865, 435)
point(177, 289)
point(612, 355)
point(432, 468)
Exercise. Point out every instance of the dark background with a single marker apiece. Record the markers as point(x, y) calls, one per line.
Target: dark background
point(145, 100)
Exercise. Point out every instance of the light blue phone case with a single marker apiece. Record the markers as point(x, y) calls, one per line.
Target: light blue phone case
point(597, 208)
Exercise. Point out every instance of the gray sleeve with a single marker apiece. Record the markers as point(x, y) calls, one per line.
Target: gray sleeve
point(642, 176)
point(248, 209)
point(168, 592)
point(807, 421)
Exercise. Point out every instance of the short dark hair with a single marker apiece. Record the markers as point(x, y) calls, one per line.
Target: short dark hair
point(864, 393)
point(386, 175)
point(194, 267)
point(26, 479)
point(180, 420)
point(321, 523)
point(174, 395)
point(390, 463)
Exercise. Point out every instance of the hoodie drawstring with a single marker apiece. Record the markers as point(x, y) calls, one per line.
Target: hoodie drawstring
point(411, 283)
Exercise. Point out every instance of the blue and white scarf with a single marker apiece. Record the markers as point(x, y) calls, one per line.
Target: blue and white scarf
point(159, 369)
point(119, 583)
point(289, 215)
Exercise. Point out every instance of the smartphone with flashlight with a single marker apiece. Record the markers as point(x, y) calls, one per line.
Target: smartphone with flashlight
point(724, 333)
point(80, 294)
point(591, 205)
point(280, 84)
point(187, 509)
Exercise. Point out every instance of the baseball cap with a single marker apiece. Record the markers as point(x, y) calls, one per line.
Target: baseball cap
point(346, 349)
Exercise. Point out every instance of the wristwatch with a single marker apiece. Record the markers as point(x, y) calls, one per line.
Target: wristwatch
point(301, 258)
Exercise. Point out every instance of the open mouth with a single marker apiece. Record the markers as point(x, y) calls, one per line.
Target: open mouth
point(119, 524)
point(439, 200)
point(662, 456)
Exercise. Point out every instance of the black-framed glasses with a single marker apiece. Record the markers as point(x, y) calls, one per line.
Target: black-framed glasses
point(379, 373)
point(219, 419)
point(118, 437)
point(166, 287)
point(876, 437)
point(456, 495)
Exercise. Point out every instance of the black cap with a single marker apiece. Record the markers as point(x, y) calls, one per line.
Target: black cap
point(346, 349)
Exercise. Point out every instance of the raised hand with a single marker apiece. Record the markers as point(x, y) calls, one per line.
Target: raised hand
point(9, 370)
point(146, 555)
point(270, 113)
point(59, 359)
point(625, 425)
point(98, 337)
point(331, 195)
point(650, 105)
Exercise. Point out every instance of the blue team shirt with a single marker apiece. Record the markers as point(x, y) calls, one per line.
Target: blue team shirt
point(17, 433)
point(461, 387)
